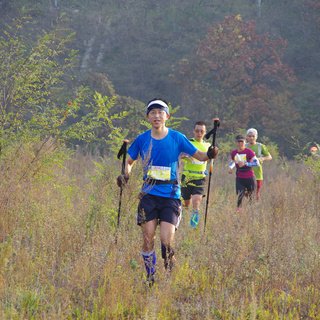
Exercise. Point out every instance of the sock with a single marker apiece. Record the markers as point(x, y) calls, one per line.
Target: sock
point(150, 260)
point(163, 251)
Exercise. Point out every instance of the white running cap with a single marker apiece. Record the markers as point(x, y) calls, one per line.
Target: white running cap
point(252, 131)
point(157, 104)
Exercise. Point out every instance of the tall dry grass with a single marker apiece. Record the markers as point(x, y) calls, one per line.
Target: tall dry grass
point(59, 258)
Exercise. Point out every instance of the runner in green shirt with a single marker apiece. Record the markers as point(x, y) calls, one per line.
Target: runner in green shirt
point(262, 154)
point(193, 175)
point(314, 151)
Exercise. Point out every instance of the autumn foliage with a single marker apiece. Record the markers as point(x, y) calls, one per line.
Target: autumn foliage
point(238, 74)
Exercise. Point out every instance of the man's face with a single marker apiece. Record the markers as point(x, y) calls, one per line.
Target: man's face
point(313, 150)
point(157, 117)
point(251, 138)
point(241, 144)
point(199, 132)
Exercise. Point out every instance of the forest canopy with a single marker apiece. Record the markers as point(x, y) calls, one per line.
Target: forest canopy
point(248, 62)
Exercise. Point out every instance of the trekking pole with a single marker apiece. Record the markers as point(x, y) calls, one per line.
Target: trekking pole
point(216, 124)
point(122, 153)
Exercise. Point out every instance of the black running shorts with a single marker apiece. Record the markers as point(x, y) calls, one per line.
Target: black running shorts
point(188, 188)
point(163, 209)
point(244, 184)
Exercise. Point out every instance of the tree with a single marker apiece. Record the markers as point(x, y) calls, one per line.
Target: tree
point(36, 102)
point(298, 22)
point(32, 75)
point(238, 75)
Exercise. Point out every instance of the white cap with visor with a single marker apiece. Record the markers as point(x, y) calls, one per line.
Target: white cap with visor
point(157, 104)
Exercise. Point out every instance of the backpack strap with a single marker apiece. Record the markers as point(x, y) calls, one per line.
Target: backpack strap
point(259, 153)
point(259, 149)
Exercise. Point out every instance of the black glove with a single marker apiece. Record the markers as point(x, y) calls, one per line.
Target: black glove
point(122, 180)
point(212, 152)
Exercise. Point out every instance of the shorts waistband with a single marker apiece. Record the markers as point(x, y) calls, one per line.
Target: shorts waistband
point(195, 172)
point(156, 181)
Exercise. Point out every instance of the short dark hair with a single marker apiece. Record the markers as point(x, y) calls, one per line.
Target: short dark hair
point(240, 137)
point(200, 123)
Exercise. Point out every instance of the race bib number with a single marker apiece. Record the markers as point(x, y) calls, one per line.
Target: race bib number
point(159, 173)
point(240, 157)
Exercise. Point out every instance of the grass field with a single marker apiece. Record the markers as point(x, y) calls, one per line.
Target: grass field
point(59, 258)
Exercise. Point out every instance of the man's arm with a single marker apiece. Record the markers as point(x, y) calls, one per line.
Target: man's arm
point(231, 166)
point(265, 156)
point(123, 178)
point(204, 156)
point(129, 164)
point(254, 162)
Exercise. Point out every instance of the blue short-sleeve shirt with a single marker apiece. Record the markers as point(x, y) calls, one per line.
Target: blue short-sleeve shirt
point(160, 160)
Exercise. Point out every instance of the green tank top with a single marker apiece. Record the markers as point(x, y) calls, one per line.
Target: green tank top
point(194, 169)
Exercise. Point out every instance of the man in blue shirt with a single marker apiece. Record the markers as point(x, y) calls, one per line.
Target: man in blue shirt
point(159, 150)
